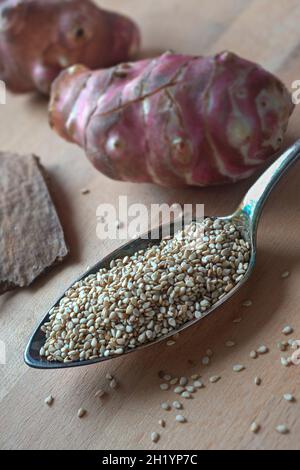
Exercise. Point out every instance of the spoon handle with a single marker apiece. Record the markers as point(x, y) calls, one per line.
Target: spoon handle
point(254, 200)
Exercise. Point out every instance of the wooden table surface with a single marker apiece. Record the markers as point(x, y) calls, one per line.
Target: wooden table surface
point(220, 415)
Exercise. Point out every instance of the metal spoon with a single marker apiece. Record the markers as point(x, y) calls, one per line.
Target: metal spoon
point(246, 219)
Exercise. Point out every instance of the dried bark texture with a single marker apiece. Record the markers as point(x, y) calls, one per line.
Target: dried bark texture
point(31, 236)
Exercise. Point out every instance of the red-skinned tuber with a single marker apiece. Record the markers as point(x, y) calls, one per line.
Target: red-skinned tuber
point(39, 38)
point(175, 120)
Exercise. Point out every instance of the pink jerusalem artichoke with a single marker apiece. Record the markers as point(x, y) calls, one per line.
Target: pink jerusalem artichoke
point(175, 120)
point(39, 38)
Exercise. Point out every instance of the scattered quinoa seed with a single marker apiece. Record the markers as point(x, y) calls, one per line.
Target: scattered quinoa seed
point(109, 377)
point(285, 274)
point(257, 380)
point(238, 368)
point(99, 394)
point(85, 191)
point(165, 406)
point(209, 352)
point(162, 423)
point(282, 429)
point(186, 394)
point(229, 344)
point(287, 330)
point(183, 381)
point(214, 379)
point(178, 390)
point(81, 413)
point(247, 303)
point(284, 361)
point(253, 354)
point(198, 384)
point(237, 320)
point(174, 381)
point(155, 437)
point(180, 419)
point(205, 360)
point(288, 397)
point(167, 377)
point(164, 387)
point(177, 405)
point(49, 400)
point(254, 427)
point(171, 342)
point(262, 349)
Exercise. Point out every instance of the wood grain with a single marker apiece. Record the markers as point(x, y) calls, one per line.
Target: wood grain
point(220, 415)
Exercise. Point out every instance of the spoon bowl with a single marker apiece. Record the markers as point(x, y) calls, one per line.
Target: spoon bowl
point(245, 218)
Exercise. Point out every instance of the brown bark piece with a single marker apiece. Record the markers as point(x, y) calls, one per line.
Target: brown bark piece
point(31, 236)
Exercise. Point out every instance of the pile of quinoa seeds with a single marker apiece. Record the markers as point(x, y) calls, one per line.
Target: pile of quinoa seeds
point(147, 295)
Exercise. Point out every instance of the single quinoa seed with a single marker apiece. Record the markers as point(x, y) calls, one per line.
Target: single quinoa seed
point(165, 406)
point(99, 394)
point(284, 361)
point(178, 390)
point(171, 342)
point(85, 191)
point(285, 274)
point(174, 381)
point(167, 377)
point(162, 423)
point(262, 349)
point(229, 344)
point(148, 295)
point(237, 320)
point(180, 419)
point(289, 397)
point(205, 360)
point(257, 381)
point(81, 412)
point(198, 384)
point(183, 381)
point(49, 400)
point(164, 387)
point(253, 354)
point(186, 395)
point(238, 368)
point(254, 427)
point(155, 437)
point(214, 379)
point(282, 429)
point(177, 405)
point(195, 376)
point(287, 330)
point(247, 303)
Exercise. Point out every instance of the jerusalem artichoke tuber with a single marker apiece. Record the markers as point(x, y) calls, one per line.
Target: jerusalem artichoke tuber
point(176, 120)
point(39, 38)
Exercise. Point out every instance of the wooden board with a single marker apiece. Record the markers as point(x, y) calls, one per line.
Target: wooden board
point(220, 415)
